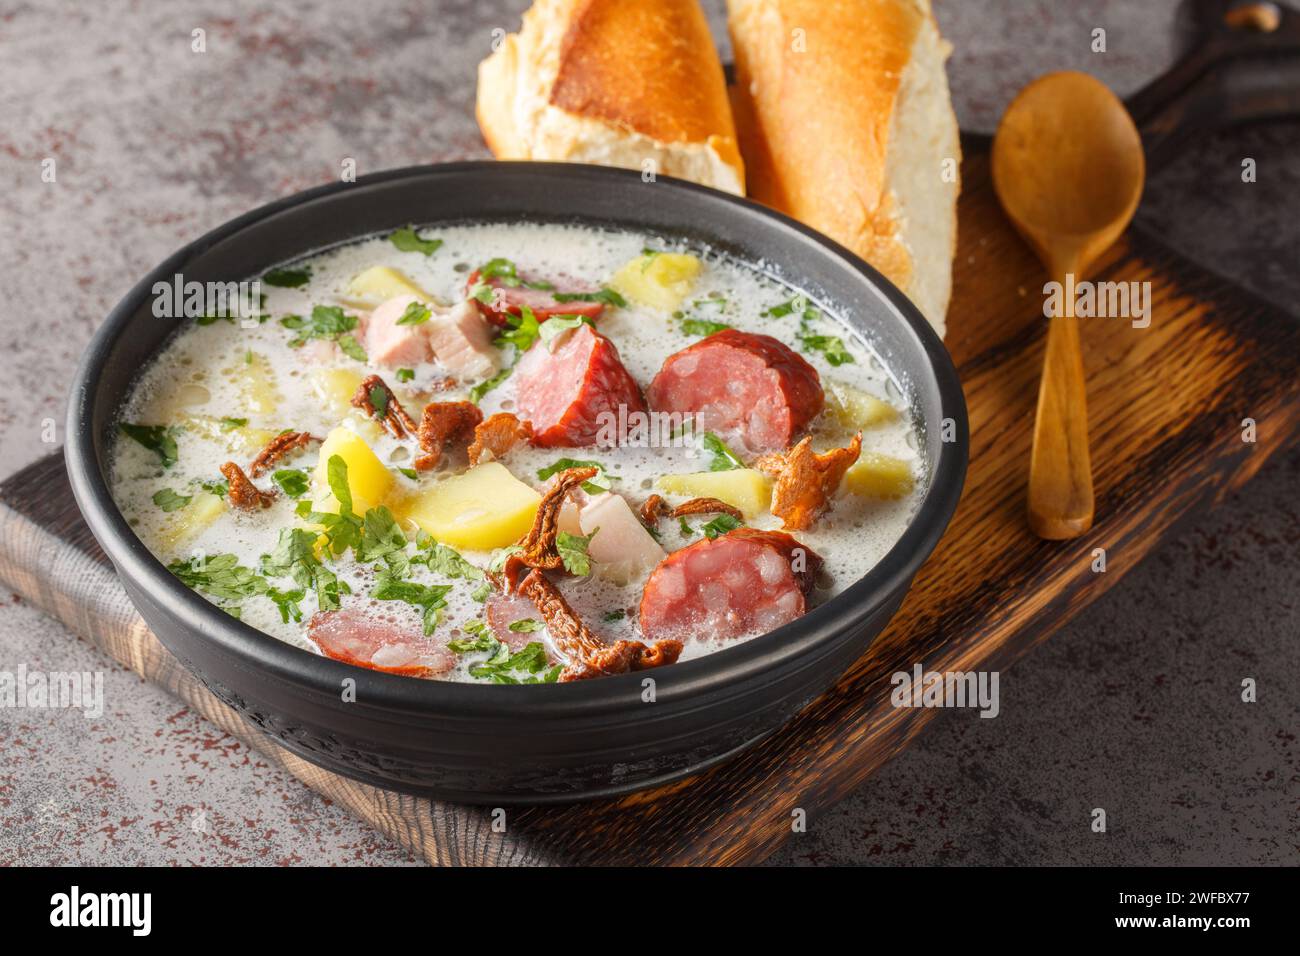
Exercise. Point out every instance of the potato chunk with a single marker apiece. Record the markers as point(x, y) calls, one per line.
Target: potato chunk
point(484, 508)
point(856, 409)
point(368, 479)
point(253, 377)
point(335, 388)
point(183, 526)
point(745, 488)
point(879, 476)
point(379, 283)
point(660, 279)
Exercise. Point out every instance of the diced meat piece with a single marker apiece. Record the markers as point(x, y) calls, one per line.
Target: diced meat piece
point(622, 548)
point(573, 395)
point(505, 609)
point(380, 641)
point(751, 389)
point(462, 342)
point(745, 582)
point(509, 300)
point(392, 345)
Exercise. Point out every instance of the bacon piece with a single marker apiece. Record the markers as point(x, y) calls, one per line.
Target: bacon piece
point(806, 480)
point(498, 434)
point(652, 509)
point(506, 300)
point(243, 493)
point(588, 655)
point(441, 423)
point(277, 448)
point(394, 418)
point(538, 545)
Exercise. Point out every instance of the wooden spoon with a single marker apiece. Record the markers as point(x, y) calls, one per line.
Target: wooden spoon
point(1068, 169)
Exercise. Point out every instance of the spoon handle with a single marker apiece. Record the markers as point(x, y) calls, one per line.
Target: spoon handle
point(1060, 471)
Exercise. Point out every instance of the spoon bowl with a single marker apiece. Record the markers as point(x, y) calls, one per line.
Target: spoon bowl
point(1068, 168)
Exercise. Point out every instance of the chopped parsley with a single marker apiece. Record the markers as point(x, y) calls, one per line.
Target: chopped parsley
point(405, 374)
point(724, 459)
point(521, 330)
point(292, 481)
point(448, 562)
point(686, 530)
point(429, 598)
point(690, 326)
point(230, 424)
point(529, 663)
point(721, 525)
point(609, 617)
point(169, 500)
point(527, 625)
point(410, 473)
point(594, 485)
point(482, 388)
point(831, 346)
point(605, 295)
point(573, 552)
point(504, 271)
point(407, 239)
point(415, 314)
point(288, 278)
point(328, 322)
point(224, 578)
point(295, 556)
point(378, 396)
point(156, 438)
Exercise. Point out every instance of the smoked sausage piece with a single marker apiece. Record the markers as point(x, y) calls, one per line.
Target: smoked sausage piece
point(744, 582)
point(748, 388)
point(572, 395)
point(373, 639)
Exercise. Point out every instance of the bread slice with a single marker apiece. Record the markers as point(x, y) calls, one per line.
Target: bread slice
point(845, 123)
point(632, 83)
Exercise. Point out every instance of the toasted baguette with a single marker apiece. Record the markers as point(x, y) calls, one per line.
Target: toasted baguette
point(633, 83)
point(845, 124)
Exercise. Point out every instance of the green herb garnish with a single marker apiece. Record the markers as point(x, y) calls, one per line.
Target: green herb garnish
point(157, 438)
point(721, 525)
point(573, 552)
point(407, 239)
point(169, 500)
point(724, 459)
point(292, 481)
point(415, 314)
point(594, 485)
point(605, 295)
point(288, 278)
point(482, 388)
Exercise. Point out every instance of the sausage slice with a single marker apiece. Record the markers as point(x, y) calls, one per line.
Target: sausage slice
point(744, 582)
point(752, 389)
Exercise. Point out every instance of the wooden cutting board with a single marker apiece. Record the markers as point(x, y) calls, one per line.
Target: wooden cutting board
point(1166, 405)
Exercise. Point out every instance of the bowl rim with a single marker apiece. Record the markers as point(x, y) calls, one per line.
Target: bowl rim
point(791, 647)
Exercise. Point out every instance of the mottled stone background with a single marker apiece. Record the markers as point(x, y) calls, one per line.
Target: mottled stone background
point(1133, 707)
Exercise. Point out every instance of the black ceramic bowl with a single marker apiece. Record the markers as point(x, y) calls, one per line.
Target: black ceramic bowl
point(520, 744)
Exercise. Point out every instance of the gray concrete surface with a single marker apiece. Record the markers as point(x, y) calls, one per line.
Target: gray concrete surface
point(1133, 707)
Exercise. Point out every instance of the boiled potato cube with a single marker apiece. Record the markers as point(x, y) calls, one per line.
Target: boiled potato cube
point(745, 488)
point(484, 508)
point(660, 279)
point(371, 287)
point(854, 408)
point(879, 476)
point(368, 479)
point(240, 440)
point(335, 388)
point(182, 527)
point(253, 377)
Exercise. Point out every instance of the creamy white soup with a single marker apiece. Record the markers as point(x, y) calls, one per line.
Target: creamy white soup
point(434, 454)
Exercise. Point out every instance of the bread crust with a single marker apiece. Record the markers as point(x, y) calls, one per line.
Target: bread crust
point(613, 81)
point(817, 86)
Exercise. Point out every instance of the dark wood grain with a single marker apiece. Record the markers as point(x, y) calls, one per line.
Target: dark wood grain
point(1166, 405)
